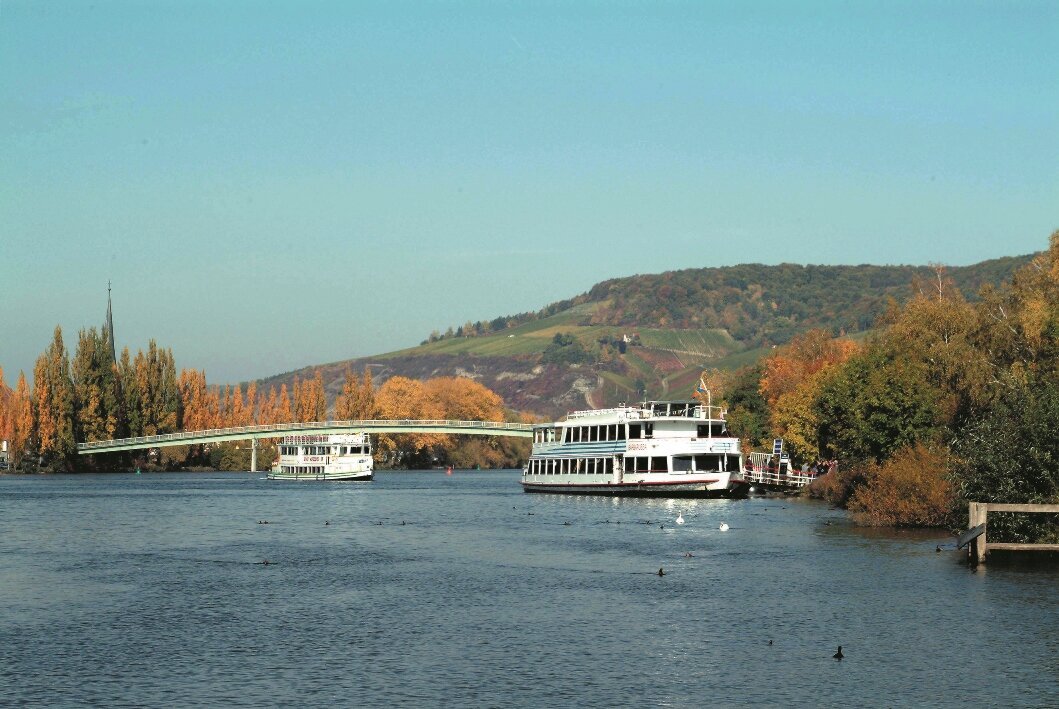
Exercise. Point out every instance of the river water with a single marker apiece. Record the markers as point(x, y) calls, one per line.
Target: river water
point(421, 589)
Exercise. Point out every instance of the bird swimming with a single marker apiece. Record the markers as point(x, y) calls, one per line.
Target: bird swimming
point(723, 527)
point(661, 572)
point(838, 655)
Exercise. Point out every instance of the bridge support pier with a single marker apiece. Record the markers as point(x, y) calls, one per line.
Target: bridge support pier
point(253, 454)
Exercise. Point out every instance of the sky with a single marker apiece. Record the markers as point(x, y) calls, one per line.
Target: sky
point(270, 185)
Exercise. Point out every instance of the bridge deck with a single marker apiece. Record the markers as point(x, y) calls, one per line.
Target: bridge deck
point(278, 430)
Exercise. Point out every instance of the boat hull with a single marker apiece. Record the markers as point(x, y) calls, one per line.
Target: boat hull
point(333, 477)
point(736, 489)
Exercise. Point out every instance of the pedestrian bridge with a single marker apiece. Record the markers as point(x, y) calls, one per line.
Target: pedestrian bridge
point(278, 430)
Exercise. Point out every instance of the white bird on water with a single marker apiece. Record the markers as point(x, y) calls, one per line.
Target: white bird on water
point(723, 527)
point(680, 518)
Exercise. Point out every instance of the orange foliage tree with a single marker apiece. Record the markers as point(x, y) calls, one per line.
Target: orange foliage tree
point(403, 398)
point(910, 489)
point(21, 421)
point(357, 400)
point(790, 382)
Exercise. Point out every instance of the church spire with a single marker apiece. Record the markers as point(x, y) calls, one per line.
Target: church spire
point(109, 327)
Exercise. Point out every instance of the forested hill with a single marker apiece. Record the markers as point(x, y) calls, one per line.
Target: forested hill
point(652, 335)
point(755, 303)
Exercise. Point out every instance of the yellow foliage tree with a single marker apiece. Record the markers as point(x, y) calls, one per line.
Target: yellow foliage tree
point(21, 421)
point(795, 420)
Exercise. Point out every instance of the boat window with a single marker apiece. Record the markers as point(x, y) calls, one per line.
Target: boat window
point(710, 463)
point(634, 430)
point(702, 430)
point(642, 463)
point(659, 409)
point(731, 463)
point(717, 428)
point(648, 430)
point(678, 410)
point(682, 464)
point(659, 464)
point(608, 466)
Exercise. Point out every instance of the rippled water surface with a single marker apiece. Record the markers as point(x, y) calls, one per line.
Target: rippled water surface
point(427, 589)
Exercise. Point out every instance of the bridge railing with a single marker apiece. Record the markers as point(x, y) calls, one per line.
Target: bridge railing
point(281, 429)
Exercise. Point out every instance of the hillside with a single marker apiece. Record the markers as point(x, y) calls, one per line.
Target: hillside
point(653, 334)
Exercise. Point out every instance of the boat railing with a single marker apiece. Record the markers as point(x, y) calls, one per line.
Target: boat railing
point(779, 476)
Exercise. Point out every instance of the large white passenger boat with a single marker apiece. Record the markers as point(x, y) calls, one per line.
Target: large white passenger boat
point(662, 448)
point(342, 456)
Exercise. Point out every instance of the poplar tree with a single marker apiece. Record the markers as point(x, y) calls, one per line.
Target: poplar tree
point(95, 388)
point(21, 421)
point(53, 398)
point(250, 410)
point(132, 399)
point(284, 411)
point(5, 409)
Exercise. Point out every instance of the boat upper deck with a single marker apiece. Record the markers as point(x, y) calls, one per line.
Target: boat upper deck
point(653, 419)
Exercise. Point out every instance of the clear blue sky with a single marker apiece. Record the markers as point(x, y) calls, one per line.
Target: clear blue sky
point(272, 185)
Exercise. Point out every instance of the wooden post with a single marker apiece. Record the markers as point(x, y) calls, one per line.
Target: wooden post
point(977, 515)
point(983, 518)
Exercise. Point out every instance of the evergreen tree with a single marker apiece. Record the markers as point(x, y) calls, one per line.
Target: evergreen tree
point(132, 400)
point(95, 388)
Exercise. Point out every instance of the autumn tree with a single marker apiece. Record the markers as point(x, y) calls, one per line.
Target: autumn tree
point(357, 400)
point(21, 421)
point(284, 412)
point(194, 400)
point(789, 367)
point(5, 408)
point(790, 381)
point(463, 399)
point(53, 401)
point(402, 398)
point(310, 402)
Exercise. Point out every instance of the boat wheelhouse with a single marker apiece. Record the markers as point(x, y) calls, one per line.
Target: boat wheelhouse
point(659, 448)
point(341, 456)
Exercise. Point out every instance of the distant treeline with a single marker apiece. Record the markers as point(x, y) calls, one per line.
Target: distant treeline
point(92, 398)
point(757, 304)
point(951, 401)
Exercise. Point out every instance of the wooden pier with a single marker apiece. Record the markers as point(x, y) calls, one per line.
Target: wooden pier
point(975, 537)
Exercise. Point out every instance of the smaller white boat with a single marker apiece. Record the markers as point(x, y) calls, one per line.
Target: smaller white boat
point(336, 456)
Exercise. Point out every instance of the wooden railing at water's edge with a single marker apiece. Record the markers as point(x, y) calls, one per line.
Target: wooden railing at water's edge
point(975, 536)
